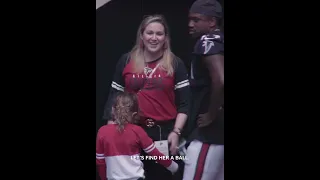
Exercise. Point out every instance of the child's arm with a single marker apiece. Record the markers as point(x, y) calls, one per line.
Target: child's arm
point(100, 158)
point(149, 147)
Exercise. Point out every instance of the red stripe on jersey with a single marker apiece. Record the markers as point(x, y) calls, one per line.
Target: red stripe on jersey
point(201, 161)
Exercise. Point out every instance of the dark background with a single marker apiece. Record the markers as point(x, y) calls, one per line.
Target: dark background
point(116, 26)
point(48, 90)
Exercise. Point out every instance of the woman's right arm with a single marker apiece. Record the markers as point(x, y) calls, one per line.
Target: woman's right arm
point(117, 86)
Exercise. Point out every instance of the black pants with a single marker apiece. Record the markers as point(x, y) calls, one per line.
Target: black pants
point(153, 170)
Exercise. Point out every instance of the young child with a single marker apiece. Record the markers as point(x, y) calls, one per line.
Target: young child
point(120, 141)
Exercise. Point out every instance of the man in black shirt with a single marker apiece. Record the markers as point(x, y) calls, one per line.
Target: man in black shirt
point(206, 120)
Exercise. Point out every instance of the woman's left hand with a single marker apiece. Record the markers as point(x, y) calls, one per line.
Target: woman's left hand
point(173, 139)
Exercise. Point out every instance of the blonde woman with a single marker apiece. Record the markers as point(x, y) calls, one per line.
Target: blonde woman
point(160, 81)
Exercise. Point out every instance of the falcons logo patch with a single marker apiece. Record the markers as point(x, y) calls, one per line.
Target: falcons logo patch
point(207, 43)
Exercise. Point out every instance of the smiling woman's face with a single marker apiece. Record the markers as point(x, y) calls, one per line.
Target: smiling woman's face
point(154, 37)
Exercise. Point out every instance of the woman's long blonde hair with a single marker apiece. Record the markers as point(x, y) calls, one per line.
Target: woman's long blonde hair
point(136, 53)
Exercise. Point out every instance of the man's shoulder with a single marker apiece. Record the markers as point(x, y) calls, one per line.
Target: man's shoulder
point(213, 36)
point(210, 43)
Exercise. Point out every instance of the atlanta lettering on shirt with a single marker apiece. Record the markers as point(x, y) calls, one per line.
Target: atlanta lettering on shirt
point(141, 82)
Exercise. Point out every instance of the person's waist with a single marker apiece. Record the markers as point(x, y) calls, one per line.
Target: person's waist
point(150, 122)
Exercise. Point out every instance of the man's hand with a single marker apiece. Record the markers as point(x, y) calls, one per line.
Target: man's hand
point(173, 140)
point(204, 120)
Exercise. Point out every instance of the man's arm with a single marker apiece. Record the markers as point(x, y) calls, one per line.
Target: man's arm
point(215, 65)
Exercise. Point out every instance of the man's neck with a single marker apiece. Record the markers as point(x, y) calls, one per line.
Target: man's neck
point(148, 57)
